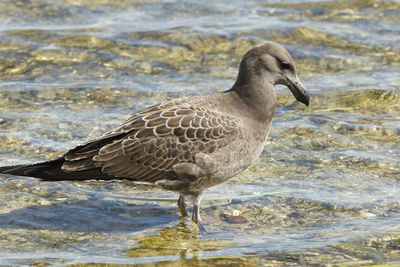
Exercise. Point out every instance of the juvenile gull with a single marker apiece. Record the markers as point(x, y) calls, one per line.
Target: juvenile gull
point(187, 144)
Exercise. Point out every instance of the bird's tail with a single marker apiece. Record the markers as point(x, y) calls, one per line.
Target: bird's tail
point(47, 170)
point(52, 171)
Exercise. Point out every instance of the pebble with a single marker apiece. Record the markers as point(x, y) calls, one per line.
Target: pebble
point(236, 219)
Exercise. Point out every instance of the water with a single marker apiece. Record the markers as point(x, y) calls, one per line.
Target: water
point(324, 191)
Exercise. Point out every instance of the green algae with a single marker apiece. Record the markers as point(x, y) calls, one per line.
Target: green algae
point(380, 251)
point(178, 240)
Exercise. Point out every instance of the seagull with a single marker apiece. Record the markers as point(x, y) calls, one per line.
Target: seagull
point(188, 144)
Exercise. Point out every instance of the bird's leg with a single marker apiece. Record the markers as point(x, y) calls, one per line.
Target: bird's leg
point(196, 214)
point(196, 199)
point(182, 206)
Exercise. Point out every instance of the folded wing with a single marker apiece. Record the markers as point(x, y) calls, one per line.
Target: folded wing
point(149, 144)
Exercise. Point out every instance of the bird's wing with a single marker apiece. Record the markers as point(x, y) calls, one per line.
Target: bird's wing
point(149, 144)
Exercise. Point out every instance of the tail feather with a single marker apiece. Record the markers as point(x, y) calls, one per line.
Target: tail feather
point(52, 171)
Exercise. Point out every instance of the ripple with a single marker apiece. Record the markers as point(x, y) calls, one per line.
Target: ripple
point(325, 189)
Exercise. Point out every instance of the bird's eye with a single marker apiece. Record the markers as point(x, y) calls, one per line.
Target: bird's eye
point(285, 65)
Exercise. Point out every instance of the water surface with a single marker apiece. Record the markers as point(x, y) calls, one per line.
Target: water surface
point(325, 190)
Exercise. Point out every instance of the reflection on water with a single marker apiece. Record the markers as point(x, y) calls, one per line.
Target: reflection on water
point(324, 191)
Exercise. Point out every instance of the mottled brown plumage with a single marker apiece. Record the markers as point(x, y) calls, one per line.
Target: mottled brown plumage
point(187, 144)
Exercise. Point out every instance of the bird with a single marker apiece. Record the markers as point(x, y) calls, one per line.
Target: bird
point(187, 144)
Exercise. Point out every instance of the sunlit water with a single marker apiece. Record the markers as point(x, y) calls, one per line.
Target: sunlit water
point(70, 70)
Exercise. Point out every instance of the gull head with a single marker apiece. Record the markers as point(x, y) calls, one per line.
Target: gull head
point(270, 64)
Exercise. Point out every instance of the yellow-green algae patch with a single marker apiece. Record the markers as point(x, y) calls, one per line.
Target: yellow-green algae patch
point(177, 240)
point(379, 251)
point(330, 62)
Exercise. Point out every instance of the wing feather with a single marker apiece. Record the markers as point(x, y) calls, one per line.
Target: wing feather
point(149, 144)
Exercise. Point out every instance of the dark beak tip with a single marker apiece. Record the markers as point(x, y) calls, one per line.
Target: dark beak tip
point(303, 98)
point(307, 100)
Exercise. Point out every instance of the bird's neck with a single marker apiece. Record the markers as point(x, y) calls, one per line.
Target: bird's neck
point(260, 98)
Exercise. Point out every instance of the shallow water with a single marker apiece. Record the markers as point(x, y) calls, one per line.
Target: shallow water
point(326, 189)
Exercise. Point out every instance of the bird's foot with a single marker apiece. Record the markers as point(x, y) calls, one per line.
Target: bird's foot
point(202, 230)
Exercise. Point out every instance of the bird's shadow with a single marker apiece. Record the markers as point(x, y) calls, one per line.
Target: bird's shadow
point(90, 215)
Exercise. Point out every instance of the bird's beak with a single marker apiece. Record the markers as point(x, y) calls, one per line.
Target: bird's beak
point(298, 90)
